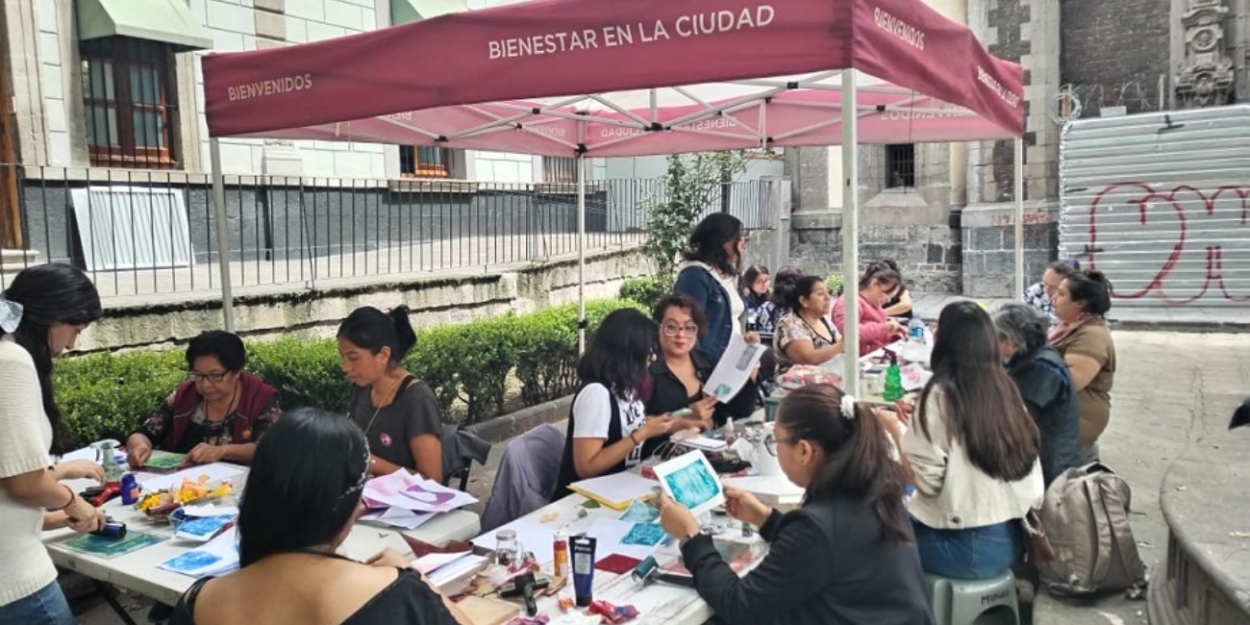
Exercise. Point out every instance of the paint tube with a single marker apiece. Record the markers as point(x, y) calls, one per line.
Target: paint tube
point(583, 548)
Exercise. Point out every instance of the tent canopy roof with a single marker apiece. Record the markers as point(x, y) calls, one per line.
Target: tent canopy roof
point(496, 88)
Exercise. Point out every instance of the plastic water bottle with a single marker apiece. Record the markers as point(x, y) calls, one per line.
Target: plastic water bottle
point(915, 330)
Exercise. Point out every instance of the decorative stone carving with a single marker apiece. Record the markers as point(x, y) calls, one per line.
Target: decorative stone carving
point(1205, 77)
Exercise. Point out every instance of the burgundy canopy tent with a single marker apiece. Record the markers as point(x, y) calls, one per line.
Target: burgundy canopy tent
point(377, 86)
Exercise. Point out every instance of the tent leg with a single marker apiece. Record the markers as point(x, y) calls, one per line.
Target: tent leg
point(850, 230)
point(1019, 216)
point(581, 254)
point(223, 239)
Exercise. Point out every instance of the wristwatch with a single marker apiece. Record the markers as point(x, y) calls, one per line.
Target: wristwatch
point(689, 537)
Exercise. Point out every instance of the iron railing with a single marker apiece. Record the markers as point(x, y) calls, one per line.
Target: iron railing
point(143, 233)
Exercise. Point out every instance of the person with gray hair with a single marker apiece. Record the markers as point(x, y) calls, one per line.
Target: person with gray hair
point(1045, 383)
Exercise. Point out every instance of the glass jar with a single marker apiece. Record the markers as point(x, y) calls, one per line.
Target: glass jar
point(506, 548)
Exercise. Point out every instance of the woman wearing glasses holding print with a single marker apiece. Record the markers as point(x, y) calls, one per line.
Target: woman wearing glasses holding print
point(218, 414)
point(679, 371)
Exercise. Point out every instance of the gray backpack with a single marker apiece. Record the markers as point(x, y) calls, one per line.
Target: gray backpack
point(1086, 517)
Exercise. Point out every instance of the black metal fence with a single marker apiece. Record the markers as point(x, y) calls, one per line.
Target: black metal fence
point(154, 233)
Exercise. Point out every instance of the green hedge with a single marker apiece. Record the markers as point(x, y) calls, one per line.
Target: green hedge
point(646, 291)
point(468, 365)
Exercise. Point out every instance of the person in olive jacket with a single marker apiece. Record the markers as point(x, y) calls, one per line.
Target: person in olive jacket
point(846, 556)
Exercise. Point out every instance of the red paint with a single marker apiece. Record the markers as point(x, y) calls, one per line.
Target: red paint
point(1030, 219)
point(1149, 195)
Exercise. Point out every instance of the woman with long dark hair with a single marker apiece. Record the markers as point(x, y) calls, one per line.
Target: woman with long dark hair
point(709, 276)
point(900, 304)
point(973, 450)
point(756, 293)
point(608, 425)
point(398, 412)
point(300, 502)
point(41, 315)
point(846, 556)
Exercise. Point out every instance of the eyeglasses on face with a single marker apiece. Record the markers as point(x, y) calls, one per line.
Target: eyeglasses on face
point(215, 377)
point(771, 442)
point(673, 329)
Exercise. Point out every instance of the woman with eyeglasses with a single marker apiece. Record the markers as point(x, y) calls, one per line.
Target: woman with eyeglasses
point(300, 502)
point(852, 516)
point(218, 414)
point(609, 430)
point(677, 375)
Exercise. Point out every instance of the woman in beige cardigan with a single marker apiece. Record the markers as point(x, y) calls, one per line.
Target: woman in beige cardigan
point(973, 451)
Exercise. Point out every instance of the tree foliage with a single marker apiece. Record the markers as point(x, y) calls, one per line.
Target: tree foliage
point(693, 185)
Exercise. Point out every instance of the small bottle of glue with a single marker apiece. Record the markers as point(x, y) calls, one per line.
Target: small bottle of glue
point(560, 553)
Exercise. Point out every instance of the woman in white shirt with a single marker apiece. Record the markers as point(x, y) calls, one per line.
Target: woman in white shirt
point(608, 425)
point(41, 314)
point(973, 450)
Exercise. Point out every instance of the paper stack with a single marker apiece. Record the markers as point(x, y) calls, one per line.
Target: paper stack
point(616, 490)
point(218, 556)
point(407, 501)
point(443, 569)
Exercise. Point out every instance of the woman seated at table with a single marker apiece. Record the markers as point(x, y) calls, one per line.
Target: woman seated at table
point(876, 330)
point(900, 304)
point(846, 556)
point(608, 428)
point(804, 336)
point(677, 376)
point(301, 500)
point(218, 414)
point(973, 450)
point(398, 413)
point(1045, 383)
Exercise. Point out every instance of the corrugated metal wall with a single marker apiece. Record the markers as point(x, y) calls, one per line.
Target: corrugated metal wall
point(1160, 202)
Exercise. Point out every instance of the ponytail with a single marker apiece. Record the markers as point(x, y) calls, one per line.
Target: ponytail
point(404, 334)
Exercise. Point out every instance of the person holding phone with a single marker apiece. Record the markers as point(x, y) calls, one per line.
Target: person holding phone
point(839, 451)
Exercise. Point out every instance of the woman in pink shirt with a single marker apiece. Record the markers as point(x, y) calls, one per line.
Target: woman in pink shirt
point(876, 330)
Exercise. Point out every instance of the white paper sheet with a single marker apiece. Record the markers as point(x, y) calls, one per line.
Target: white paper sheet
point(215, 557)
point(216, 472)
point(690, 480)
point(734, 369)
point(434, 561)
point(458, 570)
point(914, 377)
point(399, 517)
point(208, 510)
point(534, 537)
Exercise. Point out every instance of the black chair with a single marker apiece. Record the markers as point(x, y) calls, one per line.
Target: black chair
point(1241, 415)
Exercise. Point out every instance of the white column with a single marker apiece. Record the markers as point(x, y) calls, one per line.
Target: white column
point(223, 238)
point(1019, 217)
point(850, 230)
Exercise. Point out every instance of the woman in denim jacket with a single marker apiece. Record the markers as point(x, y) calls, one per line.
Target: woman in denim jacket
point(709, 276)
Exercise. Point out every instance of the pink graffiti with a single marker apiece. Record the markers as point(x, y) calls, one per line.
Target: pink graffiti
point(1169, 240)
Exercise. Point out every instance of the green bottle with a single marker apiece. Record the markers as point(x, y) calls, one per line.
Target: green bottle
point(893, 390)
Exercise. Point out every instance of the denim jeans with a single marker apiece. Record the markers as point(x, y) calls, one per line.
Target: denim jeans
point(973, 553)
point(47, 606)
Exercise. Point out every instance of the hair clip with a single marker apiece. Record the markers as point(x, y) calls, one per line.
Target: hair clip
point(10, 315)
point(848, 407)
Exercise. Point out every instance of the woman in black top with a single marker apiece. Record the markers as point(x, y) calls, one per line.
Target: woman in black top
point(847, 556)
point(397, 412)
point(677, 375)
point(298, 506)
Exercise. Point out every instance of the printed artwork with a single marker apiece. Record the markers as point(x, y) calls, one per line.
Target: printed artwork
point(192, 561)
point(165, 462)
point(104, 547)
point(692, 485)
point(644, 534)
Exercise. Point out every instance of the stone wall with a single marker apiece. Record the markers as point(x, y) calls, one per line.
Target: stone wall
point(447, 297)
point(1113, 53)
point(989, 243)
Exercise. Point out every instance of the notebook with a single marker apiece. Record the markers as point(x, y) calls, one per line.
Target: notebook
point(616, 490)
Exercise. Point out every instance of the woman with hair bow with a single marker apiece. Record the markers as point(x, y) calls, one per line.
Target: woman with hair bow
point(840, 452)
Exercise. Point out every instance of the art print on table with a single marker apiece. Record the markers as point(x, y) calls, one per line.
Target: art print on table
point(640, 512)
point(690, 480)
point(104, 547)
point(192, 561)
point(202, 529)
point(644, 534)
point(165, 461)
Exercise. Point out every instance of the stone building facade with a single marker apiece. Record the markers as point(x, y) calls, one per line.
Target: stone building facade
point(953, 230)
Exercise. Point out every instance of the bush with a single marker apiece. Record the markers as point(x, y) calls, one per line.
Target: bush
point(106, 395)
point(646, 291)
point(834, 284)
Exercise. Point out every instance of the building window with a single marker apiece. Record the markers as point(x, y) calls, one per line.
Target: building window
point(424, 161)
point(126, 86)
point(900, 166)
point(559, 169)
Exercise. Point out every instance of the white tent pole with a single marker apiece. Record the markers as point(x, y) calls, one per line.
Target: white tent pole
point(581, 252)
point(850, 230)
point(223, 239)
point(1019, 216)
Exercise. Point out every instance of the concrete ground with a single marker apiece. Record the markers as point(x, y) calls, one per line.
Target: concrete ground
point(1165, 380)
